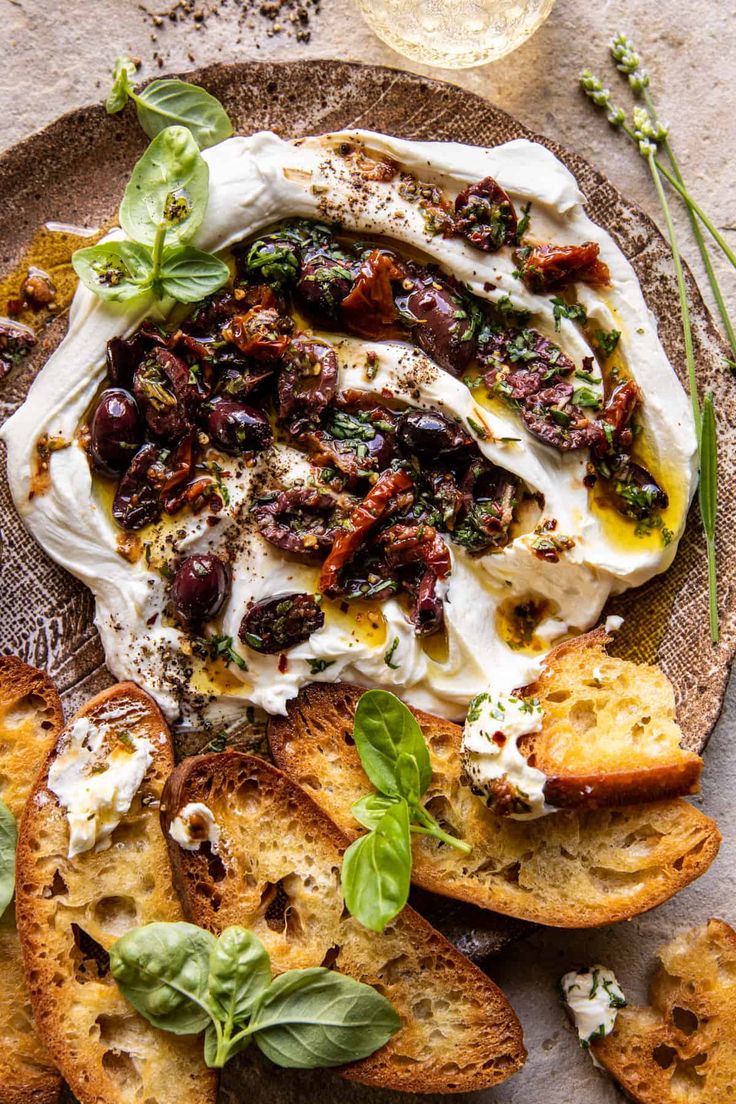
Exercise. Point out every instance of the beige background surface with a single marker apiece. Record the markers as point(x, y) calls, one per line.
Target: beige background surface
point(56, 55)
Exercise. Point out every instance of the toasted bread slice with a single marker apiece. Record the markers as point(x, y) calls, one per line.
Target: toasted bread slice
point(276, 870)
point(70, 911)
point(30, 721)
point(571, 869)
point(609, 734)
point(682, 1049)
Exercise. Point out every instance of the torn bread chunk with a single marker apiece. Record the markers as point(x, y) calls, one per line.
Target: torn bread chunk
point(72, 907)
point(277, 872)
point(576, 869)
point(682, 1048)
point(30, 721)
point(609, 734)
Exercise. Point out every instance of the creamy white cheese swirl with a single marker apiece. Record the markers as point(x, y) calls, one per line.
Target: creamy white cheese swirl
point(255, 182)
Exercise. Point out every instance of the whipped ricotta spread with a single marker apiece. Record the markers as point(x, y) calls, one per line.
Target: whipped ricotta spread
point(95, 777)
point(593, 997)
point(491, 757)
point(255, 182)
point(194, 825)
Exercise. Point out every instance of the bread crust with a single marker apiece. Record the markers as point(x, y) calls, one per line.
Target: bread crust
point(31, 718)
point(635, 772)
point(683, 1046)
point(70, 911)
point(572, 869)
point(266, 822)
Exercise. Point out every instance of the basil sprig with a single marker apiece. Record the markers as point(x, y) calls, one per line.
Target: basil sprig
point(183, 979)
point(165, 103)
point(163, 207)
point(8, 842)
point(376, 872)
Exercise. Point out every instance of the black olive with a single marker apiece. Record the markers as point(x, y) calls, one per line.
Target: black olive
point(123, 356)
point(273, 260)
point(237, 428)
point(323, 283)
point(115, 431)
point(275, 624)
point(444, 330)
point(137, 500)
point(200, 587)
point(430, 436)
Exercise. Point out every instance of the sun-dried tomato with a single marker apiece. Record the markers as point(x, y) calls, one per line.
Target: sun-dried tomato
point(547, 267)
point(369, 310)
point(376, 505)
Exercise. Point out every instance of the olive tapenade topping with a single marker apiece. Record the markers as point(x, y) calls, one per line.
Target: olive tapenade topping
point(485, 216)
point(392, 491)
point(276, 624)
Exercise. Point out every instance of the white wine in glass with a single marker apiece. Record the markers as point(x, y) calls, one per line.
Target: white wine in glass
point(455, 34)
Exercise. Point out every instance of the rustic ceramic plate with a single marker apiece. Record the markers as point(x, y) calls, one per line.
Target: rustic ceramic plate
point(74, 173)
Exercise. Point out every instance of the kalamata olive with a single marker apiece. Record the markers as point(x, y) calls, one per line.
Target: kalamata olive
point(200, 587)
point(137, 500)
point(123, 356)
point(303, 521)
point(275, 624)
point(307, 382)
point(237, 428)
point(444, 329)
point(164, 388)
point(15, 341)
point(273, 259)
point(115, 431)
point(428, 435)
point(324, 281)
point(485, 216)
point(635, 492)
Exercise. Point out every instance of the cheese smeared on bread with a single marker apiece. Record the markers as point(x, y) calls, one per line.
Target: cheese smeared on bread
point(575, 869)
point(71, 910)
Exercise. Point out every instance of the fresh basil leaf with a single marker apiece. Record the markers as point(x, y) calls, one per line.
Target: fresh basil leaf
point(408, 779)
point(318, 1018)
point(162, 970)
point(188, 275)
point(384, 728)
point(169, 185)
point(118, 96)
point(216, 1054)
point(165, 103)
point(376, 870)
point(8, 843)
point(240, 971)
point(369, 810)
point(116, 270)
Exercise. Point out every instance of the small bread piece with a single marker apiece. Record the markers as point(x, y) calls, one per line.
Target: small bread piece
point(30, 721)
point(70, 911)
point(609, 734)
point(276, 870)
point(682, 1049)
point(573, 869)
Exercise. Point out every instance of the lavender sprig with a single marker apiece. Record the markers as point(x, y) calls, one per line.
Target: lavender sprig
point(628, 63)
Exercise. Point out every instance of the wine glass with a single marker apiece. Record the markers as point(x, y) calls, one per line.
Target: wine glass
point(455, 34)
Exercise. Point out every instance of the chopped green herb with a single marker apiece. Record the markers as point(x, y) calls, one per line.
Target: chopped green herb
point(478, 429)
point(607, 340)
point(317, 666)
point(523, 226)
point(221, 647)
point(576, 312)
point(389, 656)
point(584, 397)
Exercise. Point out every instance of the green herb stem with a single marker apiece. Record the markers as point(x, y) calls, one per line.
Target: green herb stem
point(682, 291)
point(157, 252)
point(433, 829)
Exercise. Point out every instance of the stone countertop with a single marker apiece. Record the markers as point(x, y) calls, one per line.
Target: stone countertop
point(55, 60)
